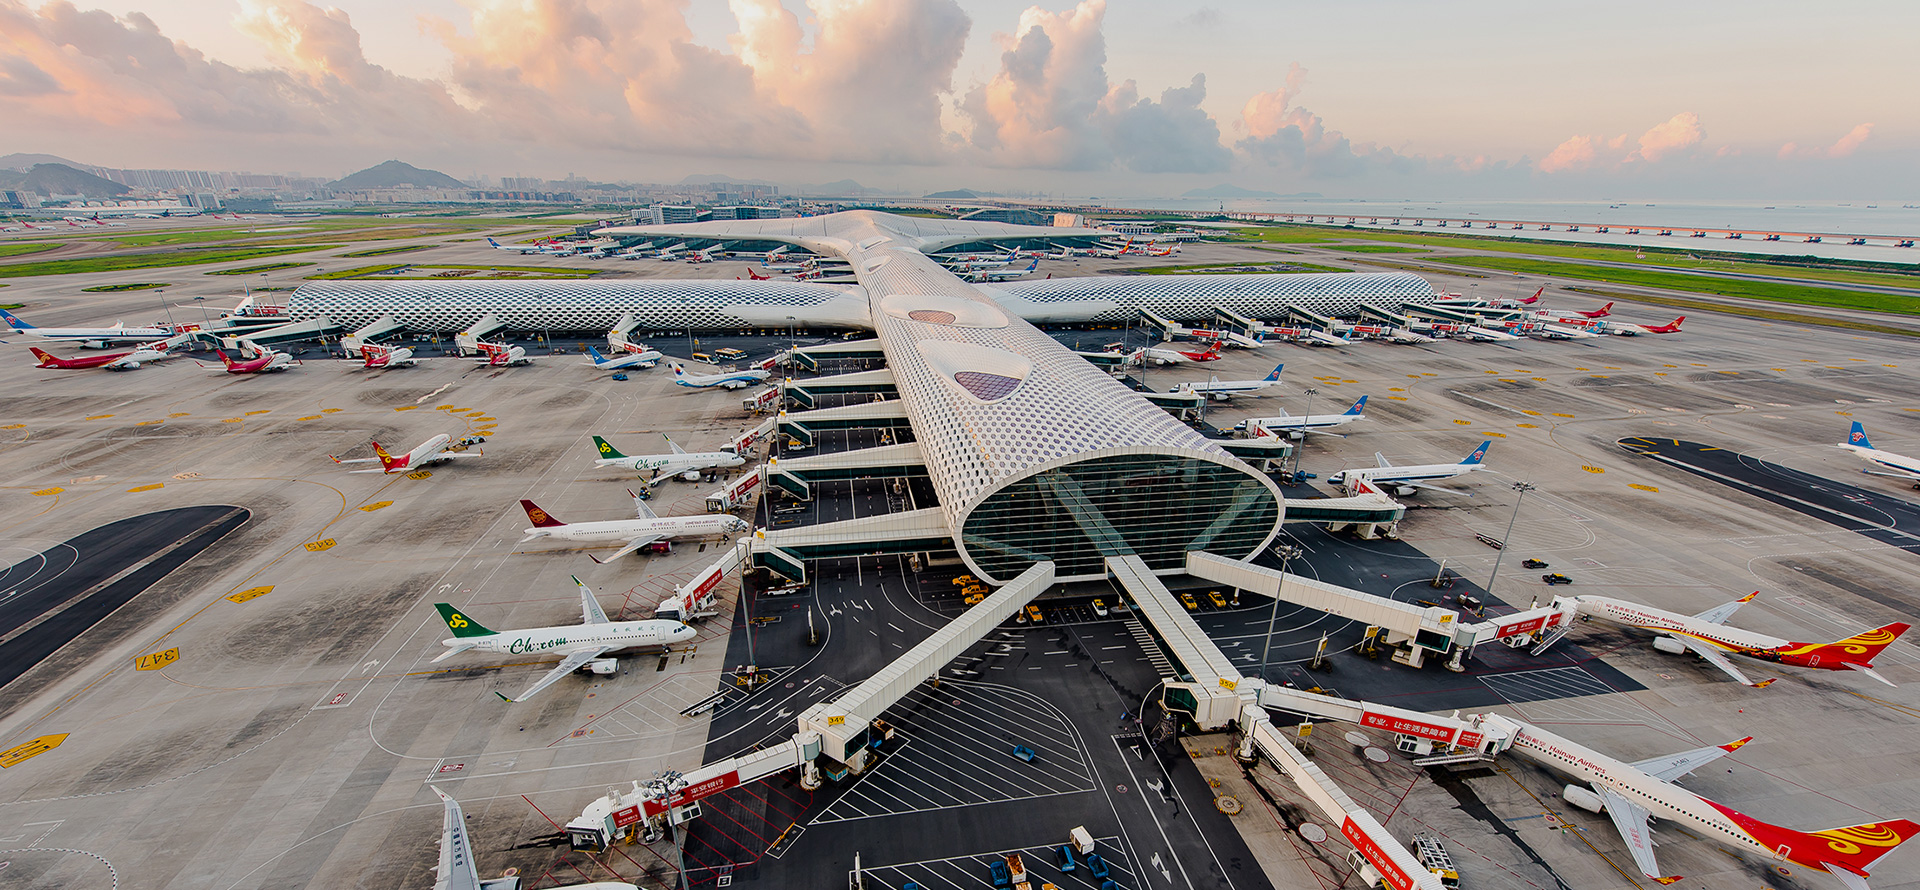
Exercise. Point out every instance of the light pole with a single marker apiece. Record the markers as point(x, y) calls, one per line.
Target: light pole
point(793, 347)
point(1311, 392)
point(1522, 488)
point(1286, 561)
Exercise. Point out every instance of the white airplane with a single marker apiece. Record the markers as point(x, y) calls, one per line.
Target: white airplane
point(1549, 331)
point(457, 871)
point(668, 253)
point(1388, 332)
point(662, 465)
point(583, 645)
point(1301, 334)
point(1112, 252)
point(94, 338)
point(1224, 390)
point(1707, 636)
point(439, 449)
point(992, 275)
point(724, 379)
point(1406, 480)
point(646, 358)
point(374, 357)
point(646, 528)
point(1298, 427)
point(521, 249)
point(1904, 467)
point(500, 355)
point(1632, 793)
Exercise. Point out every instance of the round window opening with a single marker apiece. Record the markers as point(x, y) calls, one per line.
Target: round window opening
point(985, 387)
point(931, 316)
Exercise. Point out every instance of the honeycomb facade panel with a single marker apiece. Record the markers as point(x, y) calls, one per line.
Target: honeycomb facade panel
point(1194, 297)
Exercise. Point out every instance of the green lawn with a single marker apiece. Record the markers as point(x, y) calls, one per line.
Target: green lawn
point(122, 262)
point(1375, 248)
point(7, 250)
point(116, 288)
point(384, 271)
point(1777, 292)
point(383, 251)
point(1238, 268)
point(249, 270)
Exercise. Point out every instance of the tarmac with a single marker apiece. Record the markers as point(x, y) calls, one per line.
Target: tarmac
point(288, 744)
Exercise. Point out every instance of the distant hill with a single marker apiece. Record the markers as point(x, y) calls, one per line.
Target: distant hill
point(840, 187)
point(24, 162)
point(1228, 190)
point(396, 174)
point(954, 195)
point(60, 179)
point(705, 178)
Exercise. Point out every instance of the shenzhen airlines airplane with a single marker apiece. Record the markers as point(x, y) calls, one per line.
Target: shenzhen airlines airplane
point(1707, 636)
point(439, 449)
point(1903, 467)
point(374, 358)
point(96, 338)
point(1298, 427)
point(679, 461)
point(1405, 480)
point(582, 645)
point(267, 360)
point(114, 361)
point(1224, 390)
point(647, 528)
point(500, 355)
point(1633, 793)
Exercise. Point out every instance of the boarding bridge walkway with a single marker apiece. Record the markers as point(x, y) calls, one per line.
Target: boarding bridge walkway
point(811, 357)
point(1383, 314)
point(887, 414)
point(797, 474)
point(384, 326)
point(468, 341)
point(1268, 454)
point(1368, 513)
point(807, 393)
point(1308, 317)
point(1427, 628)
point(785, 551)
point(1185, 643)
point(1442, 313)
point(1233, 321)
point(311, 329)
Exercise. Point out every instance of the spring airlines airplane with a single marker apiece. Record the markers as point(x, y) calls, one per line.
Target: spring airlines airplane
point(439, 449)
point(662, 465)
point(1707, 636)
point(584, 645)
point(1904, 467)
point(1633, 793)
point(646, 528)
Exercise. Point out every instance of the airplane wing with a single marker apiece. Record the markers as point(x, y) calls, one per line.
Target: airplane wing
point(1630, 819)
point(355, 460)
point(1720, 613)
point(1381, 460)
point(633, 545)
point(1673, 766)
point(1409, 484)
point(640, 508)
point(456, 870)
point(590, 611)
point(1715, 658)
point(566, 666)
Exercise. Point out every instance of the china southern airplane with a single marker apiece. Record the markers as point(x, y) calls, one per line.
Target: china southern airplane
point(1298, 427)
point(96, 338)
point(1406, 480)
point(646, 528)
point(680, 461)
point(1707, 636)
point(1904, 467)
point(1224, 390)
point(584, 645)
point(724, 379)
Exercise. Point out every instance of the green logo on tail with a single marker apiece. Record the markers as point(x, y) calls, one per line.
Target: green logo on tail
point(459, 623)
point(606, 448)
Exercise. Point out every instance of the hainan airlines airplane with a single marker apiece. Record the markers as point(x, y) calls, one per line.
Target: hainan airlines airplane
point(439, 449)
point(113, 361)
point(1224, 390)
point(1297, 427)
point(1707, 636)
point(724, 379)
point(583, 645)
point(1406, 480)
point(374, 357)
point(456, 870)
point(662, 465)
point(94, 338)
point(645, 358)
point(647, 528)
point(1633, 793)
point(1903, 467)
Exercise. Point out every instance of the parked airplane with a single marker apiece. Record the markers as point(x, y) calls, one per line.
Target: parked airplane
point(662, 465)
point(991, 275)
point(1297, 427)
point(647, 528)
point(500, 355)
point(92, 338)
point(1300, 334)
point(457, 871)
point(439, 449)
point(1388, 332)
point(114, 361)
point(1904, 467)
point(1672, 328)
point(522, 249)
point(1224, 390)
point(374, 357)
point(1601, 312)
point(1112, 252)
point(643, 359)
point(724, 379)
point(267, 360)
point(1707, 636)
point(1631, 794)
point(1406, 480)
point(583, 645)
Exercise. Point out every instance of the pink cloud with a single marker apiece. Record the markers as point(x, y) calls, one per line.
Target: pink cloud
point(1679, 132)
point(1845, 146)
point(1577, 153)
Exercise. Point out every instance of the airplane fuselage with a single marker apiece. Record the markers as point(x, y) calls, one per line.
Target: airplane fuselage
point(1888, 459)
point(564, 640)
point(1750, 644)
point(624, 530)
point(669, 464)
point(1391, 475)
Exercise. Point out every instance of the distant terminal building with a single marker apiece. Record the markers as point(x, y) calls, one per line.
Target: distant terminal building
point(751, 211)
point(1016, 216)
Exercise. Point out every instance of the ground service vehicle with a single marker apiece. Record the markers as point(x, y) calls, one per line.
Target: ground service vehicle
point(1219, 602)
point(1533, 564)
point(974, 599)
point(730, 354)
point(965, 580)
point(701, 357)
point(1100, 608)
point(1082, 840)
point(1186, 599)
point(1016, 868)
point(999, 872)
point(1033, 612)
point(973, 589)
point(1556, 578)
point(1068, 862)
point(1434, 858)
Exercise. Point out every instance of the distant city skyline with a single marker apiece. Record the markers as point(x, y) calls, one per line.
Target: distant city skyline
point(1729, 101)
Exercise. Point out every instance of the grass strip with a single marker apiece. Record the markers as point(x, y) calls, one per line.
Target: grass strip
point(249, 270)
point(383, 251)
point(116, 288)
point(1238, 269)
point(1771, 291)
point(384, 271)
point(120, 263)
point(1375, 248)
point(1408, 267)
point(7, 250)
point(1748, 311)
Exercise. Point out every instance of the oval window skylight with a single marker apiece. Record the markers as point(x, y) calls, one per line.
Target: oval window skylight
point(931, 316)
point(984, 386)
point(943, 309)
point(979, 373)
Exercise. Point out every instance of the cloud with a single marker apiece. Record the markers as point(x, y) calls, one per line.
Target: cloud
point(1844, 147)
point(1285, 135)
point(1051, 106)
point(1666, 139)
point(1679, 132)
point(1577, 153)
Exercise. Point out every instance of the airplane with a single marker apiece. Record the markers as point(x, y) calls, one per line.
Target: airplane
point(116, 361)
point(522, 249)
point(644, 359)
point(1463, 330)
point(1547, 331)
point(991, 275)
point(1594, 325)
point(583, 645)
point(1224, 390)
point(679, 461)
point(1707, 636)
point(500, 355)
point(1388, 332)
point(375, 357)
point(457, 871)
point(1633, 793)
point(1601, 312)
point(1672, 328)
point(647, 528)
point(267, 360)
point(1406, 480)
point(668, 253)
point(1309, 336)
point(439, 449)
point(92, 338)
point(1904, 467)
point(724, 379)
point(1298, 427)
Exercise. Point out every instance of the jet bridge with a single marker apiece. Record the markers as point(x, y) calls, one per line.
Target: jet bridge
point(785, 551)
point(797, 474)
point(1227, 319)
point(1305, 316)
point(311, 329)
point(1383, 314)
point(862, 350)
point(802, 426)
point(468, 341)
point(1370, 515)
point(1422, 629)
point(807, 393)
point(384, 326)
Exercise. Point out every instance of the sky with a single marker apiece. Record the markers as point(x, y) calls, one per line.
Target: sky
point(1747, 101)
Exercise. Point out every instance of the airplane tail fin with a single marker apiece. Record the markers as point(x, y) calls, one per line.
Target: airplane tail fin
point(1479, 454)
point(1275, 376)
point(1857, 436)
point(595, 353)
point(1358, 406)
point(678, 371)
point(1604, 311)
point(459, 623)
point(540, 518)
point(387, 461)
point(493, 242)
point(1536, 295)
point(45, 359)
point(1855, 652)
point(606, 448)
point(14, 320)
point(224, 358)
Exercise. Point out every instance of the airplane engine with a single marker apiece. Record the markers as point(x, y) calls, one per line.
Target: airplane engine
point(1405, 491)
point(1669, 645)
point(123, 366)
point(93, 344)
point(690, 476)
point(605, 667)
point(1584, 798)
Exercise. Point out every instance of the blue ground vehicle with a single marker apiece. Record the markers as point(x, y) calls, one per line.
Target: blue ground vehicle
point(1096, 866)
point(1024, 753)
point(1000, 877)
